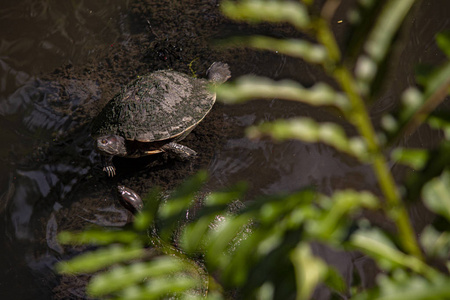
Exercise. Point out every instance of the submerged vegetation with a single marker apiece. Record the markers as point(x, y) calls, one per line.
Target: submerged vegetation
point(263, 250)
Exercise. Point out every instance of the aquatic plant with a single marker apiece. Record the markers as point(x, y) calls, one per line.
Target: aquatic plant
point(263, 250)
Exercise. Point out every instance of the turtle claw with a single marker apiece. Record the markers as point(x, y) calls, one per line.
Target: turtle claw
point(110, 170)
point(108, 166)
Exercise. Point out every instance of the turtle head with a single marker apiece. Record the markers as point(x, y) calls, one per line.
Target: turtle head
point(111, 145)
point(218, 73)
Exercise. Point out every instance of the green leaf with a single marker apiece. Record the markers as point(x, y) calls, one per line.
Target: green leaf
point(266, 291)
point(272, 209)
point(443, 41)
point(253, 87)
point(194, 234)
point(417, 106)
point(423, 72)
point(402, 285)
point(313, 53)
point(226, 197)
point(294, 13)
point(309, 270)
point(122, 277)
point(432, 78)
point(228, 231)
point(333, 223)
point(390, 124)
point(436, 194)
point(308, 130)
point(438, 79)
point(379, 41)
point(242, 258)
point(385, 28)
point(160, 288)
point(376, 244)
point(412, 100)
point(212, 295)
point(172, 212)
point(414, 158)
point(217, 206)
point(438, 160)
point(182, 197)
point(145, 218)
point(361, 18)
point(101, 258)
point(440, 121)
point(435, 243)
point(335, 281)
point(98, 237)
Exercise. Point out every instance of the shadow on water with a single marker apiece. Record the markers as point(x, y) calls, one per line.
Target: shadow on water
point(61, 62)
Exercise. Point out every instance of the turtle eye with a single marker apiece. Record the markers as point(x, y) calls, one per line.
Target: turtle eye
point(104, 141)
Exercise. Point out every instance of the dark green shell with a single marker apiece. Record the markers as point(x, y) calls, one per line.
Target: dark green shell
point(155, 107)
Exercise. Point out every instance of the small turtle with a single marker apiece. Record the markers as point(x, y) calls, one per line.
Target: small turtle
point(153, 113)
point(131, 199)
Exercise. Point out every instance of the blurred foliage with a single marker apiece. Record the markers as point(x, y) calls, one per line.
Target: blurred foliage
point(264, 249)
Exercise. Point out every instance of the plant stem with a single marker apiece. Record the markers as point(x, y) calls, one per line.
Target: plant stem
point(429, 105)
point(359, 116)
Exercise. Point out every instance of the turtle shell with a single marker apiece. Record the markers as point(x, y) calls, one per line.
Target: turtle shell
point(158, 106)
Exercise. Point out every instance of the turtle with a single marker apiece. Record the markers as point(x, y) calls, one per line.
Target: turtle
point(153, 113)
point(130, 198)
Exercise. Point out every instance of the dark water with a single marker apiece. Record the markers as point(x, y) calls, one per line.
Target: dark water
point(60, 61)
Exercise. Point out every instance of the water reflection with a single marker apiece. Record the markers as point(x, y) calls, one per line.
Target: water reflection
point(38, 36)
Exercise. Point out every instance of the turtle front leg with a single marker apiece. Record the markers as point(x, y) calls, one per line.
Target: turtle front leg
point(108, 165)
point(181, 151)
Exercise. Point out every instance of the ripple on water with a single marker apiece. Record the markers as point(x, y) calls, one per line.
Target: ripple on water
point(49, 106)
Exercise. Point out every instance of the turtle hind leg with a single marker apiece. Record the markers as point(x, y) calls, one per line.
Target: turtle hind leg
point(180, 151)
